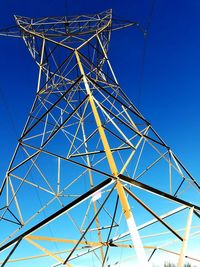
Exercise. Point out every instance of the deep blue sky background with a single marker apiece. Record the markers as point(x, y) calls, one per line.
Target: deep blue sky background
point(165, 88)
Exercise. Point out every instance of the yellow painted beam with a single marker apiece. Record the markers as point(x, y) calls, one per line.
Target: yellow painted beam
point(122, 196)
point(47, 251)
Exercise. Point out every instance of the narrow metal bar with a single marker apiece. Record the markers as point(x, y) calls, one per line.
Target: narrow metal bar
point(11, 252)
point(170, 174)
point(53, 255)
point(157, 192)
point(40, 65)
point(24, 161)
point(58, 178)
point(185, 239)
point(152, 254)
point(100, 151)
point(153, 213)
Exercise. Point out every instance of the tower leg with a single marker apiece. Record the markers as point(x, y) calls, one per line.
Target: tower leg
point(185, 239)
point(139, 249)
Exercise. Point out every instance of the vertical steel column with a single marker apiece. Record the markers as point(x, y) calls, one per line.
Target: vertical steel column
point(185, 239)
point(40, 65)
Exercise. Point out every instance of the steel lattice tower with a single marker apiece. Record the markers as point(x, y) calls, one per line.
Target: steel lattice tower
point(90, 183)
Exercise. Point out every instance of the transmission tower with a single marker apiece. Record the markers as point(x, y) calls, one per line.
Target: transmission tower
point(91, 183)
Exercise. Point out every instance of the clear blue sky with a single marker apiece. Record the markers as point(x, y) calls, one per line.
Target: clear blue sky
point(167, 93)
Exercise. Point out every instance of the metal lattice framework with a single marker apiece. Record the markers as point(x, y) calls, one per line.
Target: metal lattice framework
point(90, 183)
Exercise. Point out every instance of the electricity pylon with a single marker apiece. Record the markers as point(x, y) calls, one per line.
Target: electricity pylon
point(90, 183)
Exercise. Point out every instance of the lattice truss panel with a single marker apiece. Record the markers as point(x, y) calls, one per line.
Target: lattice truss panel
point(91, 183)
